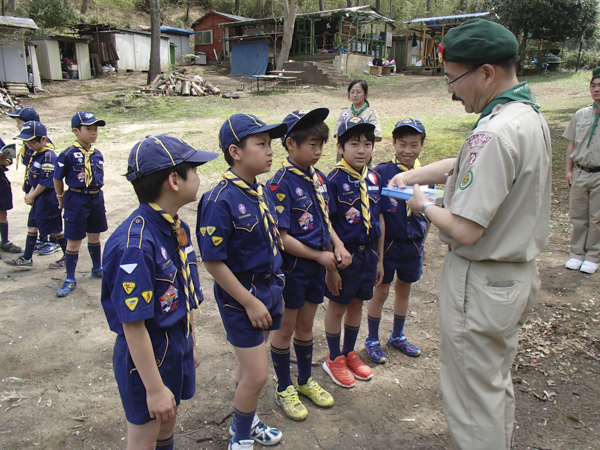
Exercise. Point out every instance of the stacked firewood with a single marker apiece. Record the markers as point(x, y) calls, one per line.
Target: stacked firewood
point(180, 83)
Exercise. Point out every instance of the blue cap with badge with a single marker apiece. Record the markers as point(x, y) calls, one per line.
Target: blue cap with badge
point(155, 153)
point(25, 114)
point(32, 129)
point(85, 118)
point(303, 116)
point(353, 122)
point(412, 123)
point(238, 126)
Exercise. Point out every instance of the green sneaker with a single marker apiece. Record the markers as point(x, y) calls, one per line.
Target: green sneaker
point(290, 403)
point(316, 393)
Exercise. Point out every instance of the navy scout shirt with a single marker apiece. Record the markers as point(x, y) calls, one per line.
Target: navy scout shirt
point(345, 207)
point(398, 225)
point(71, 167)
point(42, 168)
point(142, 277)
point(230, 228)
point(298, 207)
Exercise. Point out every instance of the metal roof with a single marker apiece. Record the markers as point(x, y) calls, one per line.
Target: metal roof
point(17, 22)
point(222, 14)
point(461, 16)
point(180, 31)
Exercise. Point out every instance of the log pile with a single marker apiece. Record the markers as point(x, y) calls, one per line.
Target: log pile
point(180, 83)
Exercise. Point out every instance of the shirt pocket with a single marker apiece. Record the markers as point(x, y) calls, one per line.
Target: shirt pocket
point(249, 239)
point(303, 220)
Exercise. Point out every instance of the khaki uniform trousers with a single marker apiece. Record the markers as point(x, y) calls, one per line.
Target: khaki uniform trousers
point(585, 215)
point(482, 307)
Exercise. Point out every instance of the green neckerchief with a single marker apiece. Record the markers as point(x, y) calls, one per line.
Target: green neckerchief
point(597, 114)
point(519, 93)
point(357, 113)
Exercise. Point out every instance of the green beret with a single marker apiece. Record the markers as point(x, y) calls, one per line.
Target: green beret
point(478, 41)
point(596, 73)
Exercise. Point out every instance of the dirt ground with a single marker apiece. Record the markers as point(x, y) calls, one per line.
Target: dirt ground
point(57, 389)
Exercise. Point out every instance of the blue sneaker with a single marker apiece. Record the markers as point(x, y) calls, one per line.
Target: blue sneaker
point(402, 344)
point(66, 288)
point(261, 433)
point(373, 347)
point(39, 244)
point(49, 248)
point(97, 273)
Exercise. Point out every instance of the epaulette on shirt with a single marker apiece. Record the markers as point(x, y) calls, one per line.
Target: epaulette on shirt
point(216, 191)
point(277, 178)
point(135, 232)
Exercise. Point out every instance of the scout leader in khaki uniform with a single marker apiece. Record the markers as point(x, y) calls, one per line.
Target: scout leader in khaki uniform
point(583, 178)
point(495, 221)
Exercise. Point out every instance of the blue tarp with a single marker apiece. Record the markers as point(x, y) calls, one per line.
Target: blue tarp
point(249, 57)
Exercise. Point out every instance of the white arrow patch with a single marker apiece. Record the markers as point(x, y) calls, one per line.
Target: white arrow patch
point(129, 267)
point(61, 164)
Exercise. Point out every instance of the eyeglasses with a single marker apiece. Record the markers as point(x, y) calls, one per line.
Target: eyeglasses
point(449, 83)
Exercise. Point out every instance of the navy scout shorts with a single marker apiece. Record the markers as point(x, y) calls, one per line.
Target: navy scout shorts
point(240, 332)
point(44, 214)
point(358, 279)
point(6, 199)
point(304, 282)
point(174, 356)
point(403, 257)
point(84, 213)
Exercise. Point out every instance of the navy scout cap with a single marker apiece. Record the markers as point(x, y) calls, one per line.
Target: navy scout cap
point(238, 126)
point(412, 123)
point(31, 130)
point(302, 117)
point(85, 118)
point(353, 122)
point(155, 153)
point(25, 114)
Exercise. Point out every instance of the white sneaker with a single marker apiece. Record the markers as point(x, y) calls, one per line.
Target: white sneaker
point(573, 264)
point(244, 444)
point(589, 267)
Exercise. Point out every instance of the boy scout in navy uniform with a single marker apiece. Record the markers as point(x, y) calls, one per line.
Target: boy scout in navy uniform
point(149, 288)
point(44, 214)
point(404, 236)
point(82, 167)
point(6, 204)
point(495, 221)
point(354, 191)
point(301, 193)
point(238, 237)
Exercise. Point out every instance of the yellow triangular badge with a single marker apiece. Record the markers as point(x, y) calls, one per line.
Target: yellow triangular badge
point(280, 197)
point(203, 231)
point(147, 296)
point(210, 230)
point(217, 240)
point(128, 286)
point(131, 303)
point(279, 209)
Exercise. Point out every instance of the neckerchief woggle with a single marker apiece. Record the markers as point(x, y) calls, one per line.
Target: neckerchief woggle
point(519, 93)
point(403, 168)
point(188, 284)
point(266, 216)
point(89, 176)
point(364, 197)
point(312, 179)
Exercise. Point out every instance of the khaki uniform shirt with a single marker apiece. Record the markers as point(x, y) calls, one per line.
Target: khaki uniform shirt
point(368, 114)
point(502, 181)
point(578, 131)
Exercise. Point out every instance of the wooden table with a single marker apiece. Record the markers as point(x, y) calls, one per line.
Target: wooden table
point(283, 73)
point(273, 79)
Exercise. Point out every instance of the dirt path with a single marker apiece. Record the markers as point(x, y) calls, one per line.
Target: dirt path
point(57, 390)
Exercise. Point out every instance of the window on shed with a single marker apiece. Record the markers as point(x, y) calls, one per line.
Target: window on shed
point(204, 37)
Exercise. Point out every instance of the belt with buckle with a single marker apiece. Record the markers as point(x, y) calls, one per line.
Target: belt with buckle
point(248, 276)
point(359, 248)
point(589, 169)
point(85, 191)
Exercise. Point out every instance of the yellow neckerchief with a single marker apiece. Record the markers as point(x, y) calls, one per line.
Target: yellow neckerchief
point(266, 216)
point(89, 176)
point(20, 156)
point(312, 179)
point(403, 168)
point(188, 283)
point(364, 197)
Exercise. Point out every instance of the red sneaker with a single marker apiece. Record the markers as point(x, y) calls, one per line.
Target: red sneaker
point(358, 368)
point(338, 371)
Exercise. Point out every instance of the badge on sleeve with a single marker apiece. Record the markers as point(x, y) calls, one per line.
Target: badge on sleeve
point(210, 230)
point(129, 267)
point(217, 240)
point(128, 286)
point(467, 180)
point(147, 296)
point(131, 303)
point(280, 209)
point(478, 140)
point(202, 231)
point(280, 197)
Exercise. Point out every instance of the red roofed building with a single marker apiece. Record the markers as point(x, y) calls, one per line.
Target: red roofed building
point(209, 34)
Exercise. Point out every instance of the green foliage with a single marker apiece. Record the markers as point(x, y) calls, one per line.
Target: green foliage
point(589, 59)
point(49, 13)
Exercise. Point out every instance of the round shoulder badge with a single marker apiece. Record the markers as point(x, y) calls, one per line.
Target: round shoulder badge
point(467, 180)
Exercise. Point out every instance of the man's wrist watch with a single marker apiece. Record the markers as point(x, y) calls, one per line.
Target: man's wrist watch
point(424, 207)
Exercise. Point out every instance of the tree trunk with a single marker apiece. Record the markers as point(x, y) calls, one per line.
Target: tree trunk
point(378, 5)
point(12, 5)
point(349, 3)
point(428, 14)
point(289, 20)
point(463, 6)
point(260, 9)
point(321, 5)
point(238, 7)
point(154, 40)
point(84, 6)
